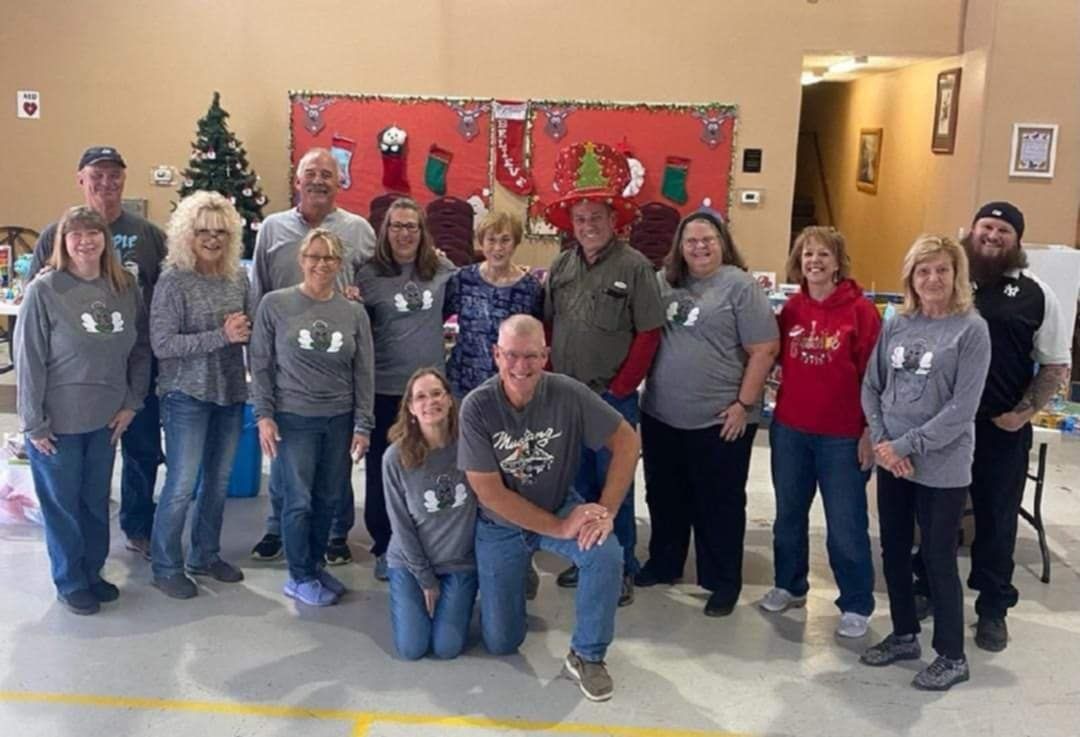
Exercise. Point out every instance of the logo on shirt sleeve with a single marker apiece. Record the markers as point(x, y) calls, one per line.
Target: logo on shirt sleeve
point(445, 495)
point(411, 299)
point(320, 338)
point(98, 319)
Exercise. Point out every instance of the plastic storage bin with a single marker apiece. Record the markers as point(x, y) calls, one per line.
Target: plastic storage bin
point(246, 476)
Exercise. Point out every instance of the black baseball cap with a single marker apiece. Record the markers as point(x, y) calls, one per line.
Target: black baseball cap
point(97, 154)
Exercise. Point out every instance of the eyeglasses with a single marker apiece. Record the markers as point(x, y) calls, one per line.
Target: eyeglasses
point(514, 356)
point(329, 260)
point(406, 227)
point(433, 394)
point(207, 234)
point(707, 241)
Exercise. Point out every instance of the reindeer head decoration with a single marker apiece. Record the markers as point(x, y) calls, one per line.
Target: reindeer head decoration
point(712, 125)
point(313, 111)
point(555, 126)
point(467, 119)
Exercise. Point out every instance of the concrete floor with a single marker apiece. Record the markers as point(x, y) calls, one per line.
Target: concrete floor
point(245, 660)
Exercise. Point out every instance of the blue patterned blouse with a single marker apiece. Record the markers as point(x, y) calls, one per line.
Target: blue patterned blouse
point(480, 307)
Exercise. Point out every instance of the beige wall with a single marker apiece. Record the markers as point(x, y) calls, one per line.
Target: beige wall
point(139, 74)
point(1021, 62)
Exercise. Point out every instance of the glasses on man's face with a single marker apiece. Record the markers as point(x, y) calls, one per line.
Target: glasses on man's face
point(514, 356)
point(315, 259)
point(404, 227)
point(208, 233)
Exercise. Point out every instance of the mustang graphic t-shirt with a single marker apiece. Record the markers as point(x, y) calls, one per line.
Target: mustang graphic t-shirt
point(536, 450)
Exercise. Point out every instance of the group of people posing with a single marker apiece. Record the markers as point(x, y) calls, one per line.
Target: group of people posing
point(474, 464)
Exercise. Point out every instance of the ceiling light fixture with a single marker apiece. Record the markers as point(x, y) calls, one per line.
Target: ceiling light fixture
point(848, 65)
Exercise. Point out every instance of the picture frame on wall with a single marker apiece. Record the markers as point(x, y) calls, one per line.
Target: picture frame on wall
point(868, 169)
point(1034, 149)
point(946, 109)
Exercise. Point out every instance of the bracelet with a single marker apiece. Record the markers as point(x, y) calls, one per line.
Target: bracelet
point(744, 405)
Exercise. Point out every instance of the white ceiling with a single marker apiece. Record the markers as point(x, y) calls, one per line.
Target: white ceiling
point(819, 62)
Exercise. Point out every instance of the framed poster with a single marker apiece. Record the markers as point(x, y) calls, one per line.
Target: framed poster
point(1034, 148)
point(946, 107)
point(868, 169)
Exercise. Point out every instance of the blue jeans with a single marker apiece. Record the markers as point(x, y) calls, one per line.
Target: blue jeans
point(415, 633)
point(593, 472)
point(314, 464)
point(140, 448)
point(801, 463)
point(502, 558)
point(344, 515)
point(200, 444)
point(73, 489)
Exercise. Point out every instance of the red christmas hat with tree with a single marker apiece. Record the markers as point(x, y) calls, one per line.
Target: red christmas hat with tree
point(590, 172)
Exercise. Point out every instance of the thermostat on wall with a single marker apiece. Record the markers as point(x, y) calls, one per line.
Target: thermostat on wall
point(162, 175)
point(751, 196)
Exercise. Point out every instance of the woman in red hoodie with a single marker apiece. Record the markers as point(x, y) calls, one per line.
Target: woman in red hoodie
point(818, 437)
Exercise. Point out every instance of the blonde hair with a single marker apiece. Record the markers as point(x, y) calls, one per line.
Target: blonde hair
point(333, 242)
point(406, 433)
point(823, 235)
point(82, 216)
point(500, 222)
point(185, 221)
point(927, 247)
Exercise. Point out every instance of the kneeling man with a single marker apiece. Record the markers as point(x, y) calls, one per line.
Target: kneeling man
point(522, 432)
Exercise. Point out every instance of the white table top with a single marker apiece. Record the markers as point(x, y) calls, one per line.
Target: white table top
point(8, 308)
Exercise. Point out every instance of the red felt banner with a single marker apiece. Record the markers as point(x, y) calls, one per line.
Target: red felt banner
point(459, 126)
point(651, 133)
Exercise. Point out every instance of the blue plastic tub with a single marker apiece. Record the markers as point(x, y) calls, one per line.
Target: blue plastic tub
point(246, 476)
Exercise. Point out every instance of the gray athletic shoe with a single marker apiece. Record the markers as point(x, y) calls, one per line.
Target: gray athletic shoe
point(942, 674)
point(177, 586)
point(592, 678)
point(532, 581)
point(219, 570)
point(892, 648)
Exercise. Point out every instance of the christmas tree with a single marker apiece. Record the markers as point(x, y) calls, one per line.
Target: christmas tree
point(219, 164)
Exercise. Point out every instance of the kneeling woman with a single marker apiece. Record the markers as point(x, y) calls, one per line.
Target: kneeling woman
point(313, 373)
point(432, 514)
point(920, 393)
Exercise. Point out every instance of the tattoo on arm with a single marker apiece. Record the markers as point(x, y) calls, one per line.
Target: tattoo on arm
point(1045, 384)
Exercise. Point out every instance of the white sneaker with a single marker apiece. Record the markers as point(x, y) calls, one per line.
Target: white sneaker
point(779, 600)
point(852, 625)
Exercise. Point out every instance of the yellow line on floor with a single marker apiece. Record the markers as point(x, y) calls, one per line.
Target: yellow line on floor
point(362, 720)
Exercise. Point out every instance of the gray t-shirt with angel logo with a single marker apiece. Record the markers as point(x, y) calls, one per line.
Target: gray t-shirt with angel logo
point(406, 321)
point(700, 364)
point(536, 450)
point(432, 514)
point(312, 358)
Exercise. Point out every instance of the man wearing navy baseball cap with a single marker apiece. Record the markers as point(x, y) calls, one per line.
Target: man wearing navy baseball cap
point(140, 244)
point(1027, 328)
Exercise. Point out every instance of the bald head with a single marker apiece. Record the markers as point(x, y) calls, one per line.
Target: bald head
point(524, 327)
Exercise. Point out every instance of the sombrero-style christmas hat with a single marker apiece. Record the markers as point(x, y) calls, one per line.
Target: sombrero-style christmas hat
point(593, 172)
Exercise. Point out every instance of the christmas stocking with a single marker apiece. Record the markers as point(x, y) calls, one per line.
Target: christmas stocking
point(510, 169)
point(392, 143)
point(438, 162)
point(342, 148)
point(673, 185)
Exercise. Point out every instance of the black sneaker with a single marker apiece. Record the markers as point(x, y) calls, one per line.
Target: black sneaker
point(219, 570)
point(337, 552)
point(892, 648)
point(646, 578)
point(991, 633)
point(532, 581)
point(942, 674)
point(176, 586)
point(568, 578)
point(924, 607)
point(718, 606)
point(626, 595)
point(269, 548)
point(104, 591)
point(80, 602)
